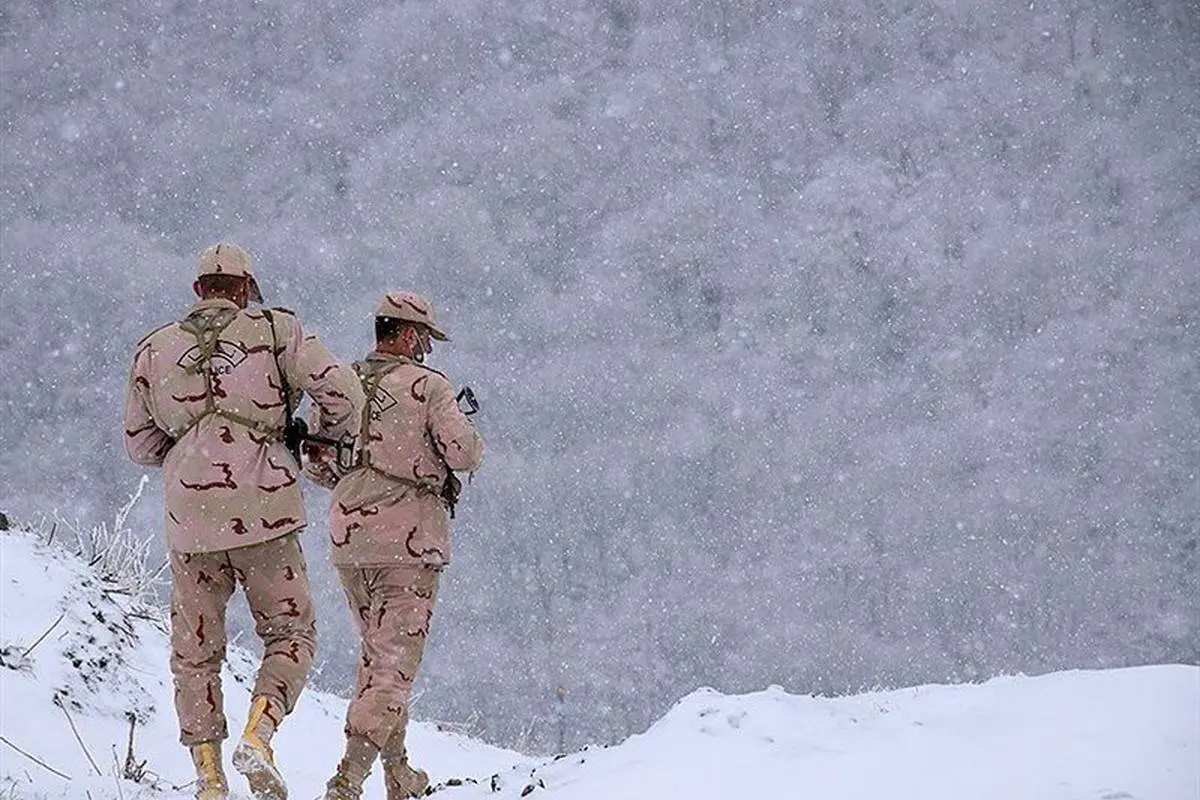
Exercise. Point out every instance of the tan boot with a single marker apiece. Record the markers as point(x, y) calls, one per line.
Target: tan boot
point(352, 772)
point(340, 787)
point(210, 773)
point(254, 757)
point(399, 778)
point(403, 781)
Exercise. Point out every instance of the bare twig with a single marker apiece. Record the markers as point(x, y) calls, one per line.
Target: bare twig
point(129, 715)
point(78, 738)
point(35, 759)
point(29, 649)
point(134, 770)
point(117, 775)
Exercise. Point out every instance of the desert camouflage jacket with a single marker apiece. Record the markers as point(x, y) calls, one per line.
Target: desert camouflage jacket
point(205, 402)
point(388, 509)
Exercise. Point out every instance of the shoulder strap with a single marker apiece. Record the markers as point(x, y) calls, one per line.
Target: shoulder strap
point(370, 378)
point(207, 329)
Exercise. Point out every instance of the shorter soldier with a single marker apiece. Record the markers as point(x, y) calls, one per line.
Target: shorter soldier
point(391, 536)
point(207, 401)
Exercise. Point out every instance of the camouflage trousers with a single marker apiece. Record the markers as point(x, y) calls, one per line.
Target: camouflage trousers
point(274, 577)
point(392, 607)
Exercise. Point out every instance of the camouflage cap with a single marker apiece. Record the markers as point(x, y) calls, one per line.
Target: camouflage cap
point(229, 259)
point(411, 307)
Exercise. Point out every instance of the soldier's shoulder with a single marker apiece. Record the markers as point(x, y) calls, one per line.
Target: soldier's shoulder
point(152, 334)
point(274, 312)
point(428, 369)
point(280, 318)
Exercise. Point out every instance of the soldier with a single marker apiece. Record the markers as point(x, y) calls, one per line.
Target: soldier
point(207, 401)
point(391, 536)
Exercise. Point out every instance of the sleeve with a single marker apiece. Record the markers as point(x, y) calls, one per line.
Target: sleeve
point(333, 387)
point(145, 442)
point(455, 438)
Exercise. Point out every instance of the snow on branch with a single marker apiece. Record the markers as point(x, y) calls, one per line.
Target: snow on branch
point(118, 555)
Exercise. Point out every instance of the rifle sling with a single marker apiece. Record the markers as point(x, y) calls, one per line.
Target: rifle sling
point(371, 378)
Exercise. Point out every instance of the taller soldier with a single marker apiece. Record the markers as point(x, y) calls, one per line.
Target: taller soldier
point(208, 399)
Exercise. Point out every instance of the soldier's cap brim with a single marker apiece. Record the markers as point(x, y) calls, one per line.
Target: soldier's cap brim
point(436, 333)
point(413, 309)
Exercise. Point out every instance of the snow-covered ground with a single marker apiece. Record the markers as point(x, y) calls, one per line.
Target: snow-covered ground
point(78, 657)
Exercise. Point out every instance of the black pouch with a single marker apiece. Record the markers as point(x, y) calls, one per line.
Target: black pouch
point(295, 432)
point(451, 490)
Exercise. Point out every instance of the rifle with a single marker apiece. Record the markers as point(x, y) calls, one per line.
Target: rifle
point(452, 487)
point(296, 433)
point(465, 395)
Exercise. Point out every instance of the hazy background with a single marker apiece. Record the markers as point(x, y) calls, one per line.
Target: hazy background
point(824, 344)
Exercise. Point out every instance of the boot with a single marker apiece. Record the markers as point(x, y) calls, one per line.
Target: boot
point(340, 787)
point(352, 772)
point(403, 781)
point(399, 778)
point(210, 774)
point(254, 757)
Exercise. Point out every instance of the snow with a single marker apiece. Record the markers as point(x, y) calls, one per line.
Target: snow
point(122, 649)
point(1127, 734)
point(885, 328)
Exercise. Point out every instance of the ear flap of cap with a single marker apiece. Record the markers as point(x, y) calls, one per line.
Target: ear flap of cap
point(255, 292)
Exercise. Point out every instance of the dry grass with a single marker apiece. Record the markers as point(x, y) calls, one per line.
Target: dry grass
point(118, 555)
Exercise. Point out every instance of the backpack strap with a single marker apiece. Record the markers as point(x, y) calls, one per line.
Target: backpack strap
point(370, 377)
point(207, 329)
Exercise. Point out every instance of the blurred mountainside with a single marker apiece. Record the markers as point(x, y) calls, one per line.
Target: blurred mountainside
point(830, 345)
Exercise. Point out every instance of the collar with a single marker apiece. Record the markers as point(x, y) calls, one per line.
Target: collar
point(376, 355)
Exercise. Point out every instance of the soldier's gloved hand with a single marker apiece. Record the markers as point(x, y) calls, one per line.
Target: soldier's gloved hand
point(322, 473)
point(315, 451)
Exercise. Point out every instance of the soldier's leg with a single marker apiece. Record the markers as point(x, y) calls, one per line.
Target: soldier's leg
point(360, 752)
point(392, 607)
point(275, 578)
point(394, 621)
point(410, 593)
point(201, 585)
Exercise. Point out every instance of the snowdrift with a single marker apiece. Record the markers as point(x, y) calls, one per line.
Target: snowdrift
point(86, 711)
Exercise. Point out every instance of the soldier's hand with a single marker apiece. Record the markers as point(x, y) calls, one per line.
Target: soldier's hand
point(317, 452)
point(322, 474)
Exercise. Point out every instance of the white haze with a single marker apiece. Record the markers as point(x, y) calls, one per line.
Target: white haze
point(823, 344)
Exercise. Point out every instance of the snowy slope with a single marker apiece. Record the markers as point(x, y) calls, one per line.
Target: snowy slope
point(1116, 735)
point(107, 657)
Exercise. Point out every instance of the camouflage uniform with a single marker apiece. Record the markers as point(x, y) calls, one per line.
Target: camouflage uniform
point(205, 402)
point(390, 531)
